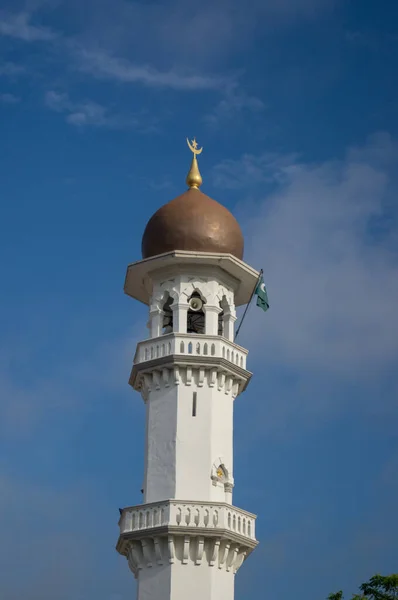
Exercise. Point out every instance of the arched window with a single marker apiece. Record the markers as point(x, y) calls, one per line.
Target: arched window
point(168, 315)
point(221, 322)
point(224, 308)
point(196, 315)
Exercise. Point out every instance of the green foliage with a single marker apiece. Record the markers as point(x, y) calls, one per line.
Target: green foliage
point(336, 596)
point(379, 587)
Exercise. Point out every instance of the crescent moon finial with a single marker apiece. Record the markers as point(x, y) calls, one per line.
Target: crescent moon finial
point(194, 178)
point(193, 146)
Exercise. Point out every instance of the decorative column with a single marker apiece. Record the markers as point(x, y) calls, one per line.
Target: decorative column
point(156, 322)
point(211, 319)
point(180, 312)
point(229, 325)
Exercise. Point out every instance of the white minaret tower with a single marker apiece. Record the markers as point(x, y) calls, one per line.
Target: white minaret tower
point(187, 540)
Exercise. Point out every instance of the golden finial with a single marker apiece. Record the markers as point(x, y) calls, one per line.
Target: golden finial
point(194, 178)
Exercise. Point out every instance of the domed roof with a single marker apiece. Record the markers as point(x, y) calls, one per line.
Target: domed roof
point(192, 221)
point(195, 222)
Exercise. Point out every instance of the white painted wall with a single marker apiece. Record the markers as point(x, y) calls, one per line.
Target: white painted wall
point(161, 434)
point(182, 448)
point(155, 583)
point(201, 440)
point(180, 581)
point(200, 582)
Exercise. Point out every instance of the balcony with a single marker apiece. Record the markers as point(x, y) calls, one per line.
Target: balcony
point(215, 518)
point(184, 344)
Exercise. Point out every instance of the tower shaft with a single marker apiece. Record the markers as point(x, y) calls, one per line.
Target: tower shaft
point(187, 539)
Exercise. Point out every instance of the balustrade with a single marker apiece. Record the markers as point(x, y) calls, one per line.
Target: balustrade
point(188, 514)
point(184, 344)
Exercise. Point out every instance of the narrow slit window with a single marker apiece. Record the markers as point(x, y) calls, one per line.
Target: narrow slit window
point(194, 401)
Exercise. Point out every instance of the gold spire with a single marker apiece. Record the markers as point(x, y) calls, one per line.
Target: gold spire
point(194, 178)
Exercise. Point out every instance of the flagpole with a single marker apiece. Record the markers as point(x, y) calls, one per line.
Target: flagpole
point(248, 304)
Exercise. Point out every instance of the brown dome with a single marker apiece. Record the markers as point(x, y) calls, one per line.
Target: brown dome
point(195, 222)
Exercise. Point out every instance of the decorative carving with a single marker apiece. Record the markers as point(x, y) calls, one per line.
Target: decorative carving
point(240, 558)
point(158, 550)
point(148, 552)
point(228, 384)
point(200, 550)
point(185, 554)
point(170, 545)
point(223, 554)
point(213, 377)
point(214, 554)
point(156, 380)
point(221, 381)
point(201, 377)
point(166, 377)
point(231, 560)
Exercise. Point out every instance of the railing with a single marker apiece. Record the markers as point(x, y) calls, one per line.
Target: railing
point(185, 344)
point(206, 515)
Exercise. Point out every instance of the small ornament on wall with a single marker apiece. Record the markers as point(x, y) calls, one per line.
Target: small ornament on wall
point(219, 474)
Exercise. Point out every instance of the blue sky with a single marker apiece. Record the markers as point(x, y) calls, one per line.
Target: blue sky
point(295, 103)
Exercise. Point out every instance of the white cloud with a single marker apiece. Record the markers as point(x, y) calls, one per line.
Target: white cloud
point(18, 26)
point(252, 170)
point(234, 103)
point(181, 45)
point(185, 32)
point(102, 65)
point(87, 113)
point(7, 98)
point(10, 69)
point(325, 239)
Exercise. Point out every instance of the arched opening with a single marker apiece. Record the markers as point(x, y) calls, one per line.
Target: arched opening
point(221, 321)
point(196, 315)
point(221, 317)
point(222, 474)
point(167, 316)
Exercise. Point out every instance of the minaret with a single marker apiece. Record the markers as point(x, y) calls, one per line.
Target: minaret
point(187, 540)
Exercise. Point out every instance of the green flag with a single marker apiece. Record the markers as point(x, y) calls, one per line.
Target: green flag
point(261, 293)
